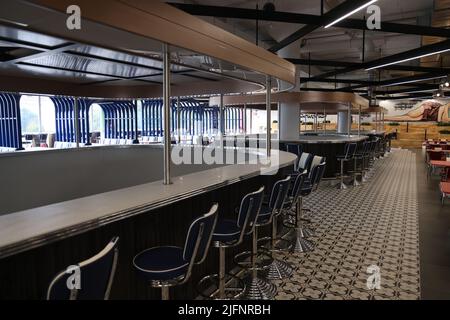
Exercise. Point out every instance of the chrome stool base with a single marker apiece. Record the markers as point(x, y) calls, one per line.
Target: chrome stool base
point(342, 186)
point(304, 231)
point(279, 270)
point(234, 287)
point(259, 289)
point(302, 245)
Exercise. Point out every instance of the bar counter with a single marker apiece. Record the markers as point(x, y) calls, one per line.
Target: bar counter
point(325, 145)
point(36, 244)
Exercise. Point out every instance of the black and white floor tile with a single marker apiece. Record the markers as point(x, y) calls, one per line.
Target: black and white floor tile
point(375, 224)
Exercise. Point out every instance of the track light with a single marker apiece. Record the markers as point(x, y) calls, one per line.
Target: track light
point(408, 59)
point(350, 13)
point(412, 81)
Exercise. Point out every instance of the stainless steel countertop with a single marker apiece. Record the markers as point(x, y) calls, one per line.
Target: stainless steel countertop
point(25, 230)
point(326, 139)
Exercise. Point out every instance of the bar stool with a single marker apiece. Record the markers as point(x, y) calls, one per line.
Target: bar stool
point(363, 156)
point(350, 149)
point(277, 269)
point(229, 234)
point(317, 160)
point(295, 149)
point(359, 156)
point(259, 288)
point(291, 216)
point(373, 152)
point(95, 280)
point(301, 243)
point(168, 266)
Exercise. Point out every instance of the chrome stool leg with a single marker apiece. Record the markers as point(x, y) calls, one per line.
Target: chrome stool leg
point(364, 170)
point(342, 185)
point(300, 242)
point(221, 286)
point(355, 173)
point(278, 269)
point(257, 288)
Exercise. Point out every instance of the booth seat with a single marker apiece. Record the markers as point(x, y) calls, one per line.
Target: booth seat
point(66, 145)
point(4, 149)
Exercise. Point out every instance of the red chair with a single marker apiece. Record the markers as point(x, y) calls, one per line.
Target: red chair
point(445, 191)
point(434, 155)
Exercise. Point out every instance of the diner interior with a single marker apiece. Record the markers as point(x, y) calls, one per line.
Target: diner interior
point(224, 150)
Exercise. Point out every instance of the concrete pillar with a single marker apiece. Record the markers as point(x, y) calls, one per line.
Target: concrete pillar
point(344, 121)
point(289, 113)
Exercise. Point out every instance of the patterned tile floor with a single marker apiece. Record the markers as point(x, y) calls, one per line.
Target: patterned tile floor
point(373, 224)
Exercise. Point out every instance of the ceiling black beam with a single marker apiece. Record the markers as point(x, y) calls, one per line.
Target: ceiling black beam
point(403, 81)
point(332, 15)
point(408, 90)
point(411, 96)
point(443, 45)
point(308, 19)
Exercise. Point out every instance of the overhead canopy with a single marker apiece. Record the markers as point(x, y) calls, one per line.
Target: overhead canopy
point(117, 52)
point(308, 101)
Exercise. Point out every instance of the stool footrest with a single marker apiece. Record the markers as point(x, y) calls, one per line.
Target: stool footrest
point(281, 244)
point(208, 287)
point(243, 260)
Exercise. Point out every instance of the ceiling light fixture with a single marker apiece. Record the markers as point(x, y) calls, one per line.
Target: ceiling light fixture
point(412, 81)
point(409, 59)
point(351, 13)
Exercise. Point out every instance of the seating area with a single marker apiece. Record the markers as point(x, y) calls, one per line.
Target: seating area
point(213, 151)
point(253, 273)
point(437, 158)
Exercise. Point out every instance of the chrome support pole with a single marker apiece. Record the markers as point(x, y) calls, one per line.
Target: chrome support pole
point(76, 119)
point(349, 119)
point(245, 118)
point(359, 121)
point(166, 97)
point(221, 117)
point(316, 120)
point(300, 120)
point(136, 129)
point(376, 121)
point(179, 120)
point(40, 114)
point(269, 115)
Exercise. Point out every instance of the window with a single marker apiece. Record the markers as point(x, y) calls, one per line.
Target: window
point(37, 115)
point(97, 119)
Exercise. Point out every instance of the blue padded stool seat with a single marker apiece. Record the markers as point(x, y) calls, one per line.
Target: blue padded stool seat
point(161, 263)
point(226, 231)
